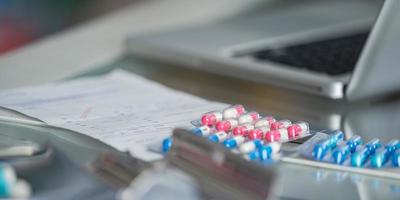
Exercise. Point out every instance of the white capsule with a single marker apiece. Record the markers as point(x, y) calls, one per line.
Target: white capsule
point(21, 189)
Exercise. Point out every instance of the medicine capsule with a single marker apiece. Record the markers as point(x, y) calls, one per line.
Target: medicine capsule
point(334, 138)
point(7, 180)
point(202, 131)
point(253, 155)
point(218, 137)
point(280, 124)
point(353, 142)
point(362, 153)
point(242, 129)
point(234, 142)
point(396, 158)
point(249, 118)
point(320, 149)
point(211, 118)
point(233, 111)
point(392, 145)
point(276, 135)
point(380, 157)
point(373, 145)
point(264, 122)
point(265, 152)
point(226, 125)
point(166, 144)
point(257, 133)
point(272, 136)
point(298, 129)
point(250, 146)
point(341, 152)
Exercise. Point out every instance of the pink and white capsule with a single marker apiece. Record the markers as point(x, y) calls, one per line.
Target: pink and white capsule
point(265, 121)
point(249, 118)
point(280, 124)
point(211, 118)
point(242, 129)
point(233, 111)
point(226, 125)
point(298, 129)
point(257, 133)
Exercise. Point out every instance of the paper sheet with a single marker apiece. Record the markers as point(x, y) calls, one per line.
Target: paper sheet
point(121, 109)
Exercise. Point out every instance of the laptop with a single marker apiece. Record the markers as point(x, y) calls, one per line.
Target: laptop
point(336, 49)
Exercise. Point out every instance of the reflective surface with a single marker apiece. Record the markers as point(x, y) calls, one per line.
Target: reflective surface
point(368, 119)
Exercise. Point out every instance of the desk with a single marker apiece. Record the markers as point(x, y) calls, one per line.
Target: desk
point(64, 56)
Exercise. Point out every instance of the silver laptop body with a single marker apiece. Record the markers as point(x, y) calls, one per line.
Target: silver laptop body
point(222, 47)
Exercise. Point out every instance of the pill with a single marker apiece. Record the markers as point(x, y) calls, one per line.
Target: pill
point(234, 141)
point(233, 111)
point(298, 129)
point(218, 137)
point(226, 125)
point(253, 155)
point(353, 142)
point(392, 145)
point(242, 129)
point(202, 131)
point(250, 146)
point(211, 118)
point(276, 135)
point(7, 180)
point(265, 121)
point(257, 133)
point(373, 145)
point(380, 157)
point(339, 155)
point(166, 144)
point(249, 118)
point(396, 158)
point(320, 149)
point(272, 136)
point(265, 152)
point(362, 153)
point(280, 124)
point(334, 138)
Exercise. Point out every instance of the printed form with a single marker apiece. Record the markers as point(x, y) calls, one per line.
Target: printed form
point(121, 109)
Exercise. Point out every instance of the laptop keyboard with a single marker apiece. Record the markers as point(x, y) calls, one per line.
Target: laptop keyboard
point(333, 56)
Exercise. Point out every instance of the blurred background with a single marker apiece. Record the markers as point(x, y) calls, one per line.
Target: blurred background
point(24, 21)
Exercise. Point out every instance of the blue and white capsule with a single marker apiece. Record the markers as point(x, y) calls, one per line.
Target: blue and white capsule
point(166, 144)
point(392, 145)
point(320, 149)
point(250, 146)
point(202, 131)
point(353, 142)
point(373, 144)
point(218, 137)
point(340, 153)
point(396, 158)
point(234, 142)
point(362, 153)
point(268, 151)
point(380, 157)
point(8, 178)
